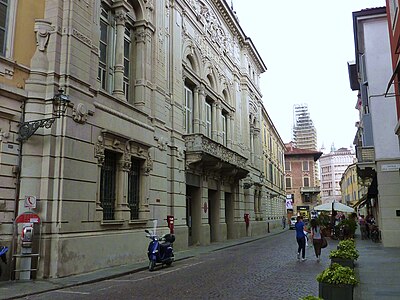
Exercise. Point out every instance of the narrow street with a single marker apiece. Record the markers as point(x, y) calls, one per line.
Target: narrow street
point(263, 269)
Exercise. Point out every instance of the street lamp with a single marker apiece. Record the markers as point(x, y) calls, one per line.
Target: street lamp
point(60, 104)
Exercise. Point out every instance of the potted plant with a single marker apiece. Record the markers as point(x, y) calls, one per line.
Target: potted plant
point(311, 298)
point(346, 244)
point(337, 282)
point(324, 222)
point(345, 255)
point(349, 227)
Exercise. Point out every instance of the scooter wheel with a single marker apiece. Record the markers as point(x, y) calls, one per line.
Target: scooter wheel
point(152, 264)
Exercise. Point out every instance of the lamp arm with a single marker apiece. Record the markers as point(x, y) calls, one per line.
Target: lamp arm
point(27, 129)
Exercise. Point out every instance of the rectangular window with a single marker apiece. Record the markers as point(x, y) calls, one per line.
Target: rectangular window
point(208, 120)
point(108, 185)
point(265, 135)
point(271, 173)
point(188, 110)
point(287, 166)
point(305, 166)
point(127, 63)
point(223, 130)
point(306, 182)
point(106, 47)
point(134, 188)
point(3, 26)
point(288, 182)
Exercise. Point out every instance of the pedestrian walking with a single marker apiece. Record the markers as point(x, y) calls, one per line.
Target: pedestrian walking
point(316, 238)
point(301, 238)
point(283, 222)
point(363, 227)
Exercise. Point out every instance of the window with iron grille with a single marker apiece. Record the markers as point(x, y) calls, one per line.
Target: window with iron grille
point(108, 185)
point(134, 188)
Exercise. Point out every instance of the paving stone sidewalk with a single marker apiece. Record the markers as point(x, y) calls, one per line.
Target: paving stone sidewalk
point(378, 269)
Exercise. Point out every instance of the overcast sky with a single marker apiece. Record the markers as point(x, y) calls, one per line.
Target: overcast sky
point(306, 46)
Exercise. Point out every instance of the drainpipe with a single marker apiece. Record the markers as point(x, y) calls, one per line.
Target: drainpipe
point(17, 172)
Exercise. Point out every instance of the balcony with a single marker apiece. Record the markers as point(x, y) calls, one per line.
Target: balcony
point(206, 155)
point(365, 162)
point(310, 190)
point(366, 154)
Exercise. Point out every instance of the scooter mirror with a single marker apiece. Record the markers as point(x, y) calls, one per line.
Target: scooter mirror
point(147, 231)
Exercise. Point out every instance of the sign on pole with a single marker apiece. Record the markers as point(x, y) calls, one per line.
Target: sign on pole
point(30, 201)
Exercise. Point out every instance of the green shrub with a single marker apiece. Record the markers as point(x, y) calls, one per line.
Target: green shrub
point(350, 225)
point(311, 298)
point(337, 274)
point(324, 220)
point(346, 253)
point(347, 244)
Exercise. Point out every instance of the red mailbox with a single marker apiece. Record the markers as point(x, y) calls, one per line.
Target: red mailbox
point(247, 219)
point(170, 222)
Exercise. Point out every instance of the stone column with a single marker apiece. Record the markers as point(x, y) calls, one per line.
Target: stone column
point(214, 129)
point(202, 104)
point(120, 19)
point(196, 111)
point(229, 126)
point(219, 122)
point(252, 144)
point(99, 154)
point(122, 211)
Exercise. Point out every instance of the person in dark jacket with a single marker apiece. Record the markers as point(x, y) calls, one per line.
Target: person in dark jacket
point(301, 238)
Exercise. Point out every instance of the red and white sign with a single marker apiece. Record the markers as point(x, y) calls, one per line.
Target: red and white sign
point(28, 218)
point(30, 201)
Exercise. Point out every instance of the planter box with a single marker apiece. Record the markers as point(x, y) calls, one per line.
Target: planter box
point(329, 291)
point(345, 262)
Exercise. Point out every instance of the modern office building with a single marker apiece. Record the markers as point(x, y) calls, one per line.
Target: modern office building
point(332, 167)
point(377, 145)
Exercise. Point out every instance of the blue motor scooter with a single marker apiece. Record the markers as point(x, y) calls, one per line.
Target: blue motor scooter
point(160, 249)
point(3, 257)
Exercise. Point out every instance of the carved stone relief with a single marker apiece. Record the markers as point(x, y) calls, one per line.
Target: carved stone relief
point(42, 29)
point(99, 151)
point(80, 113)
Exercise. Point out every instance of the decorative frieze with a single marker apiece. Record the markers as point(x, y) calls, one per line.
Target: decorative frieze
point(81, 37)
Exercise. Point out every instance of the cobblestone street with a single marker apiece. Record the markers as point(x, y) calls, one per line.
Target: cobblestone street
point(263, 269)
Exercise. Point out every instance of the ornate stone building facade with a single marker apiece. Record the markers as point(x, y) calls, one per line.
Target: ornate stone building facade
point(164, 119)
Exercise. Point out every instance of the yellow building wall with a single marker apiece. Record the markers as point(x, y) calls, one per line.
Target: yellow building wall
point(24, 40)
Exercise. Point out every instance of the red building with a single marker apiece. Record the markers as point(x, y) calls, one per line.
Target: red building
point(301, 185)
point(392, 10)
